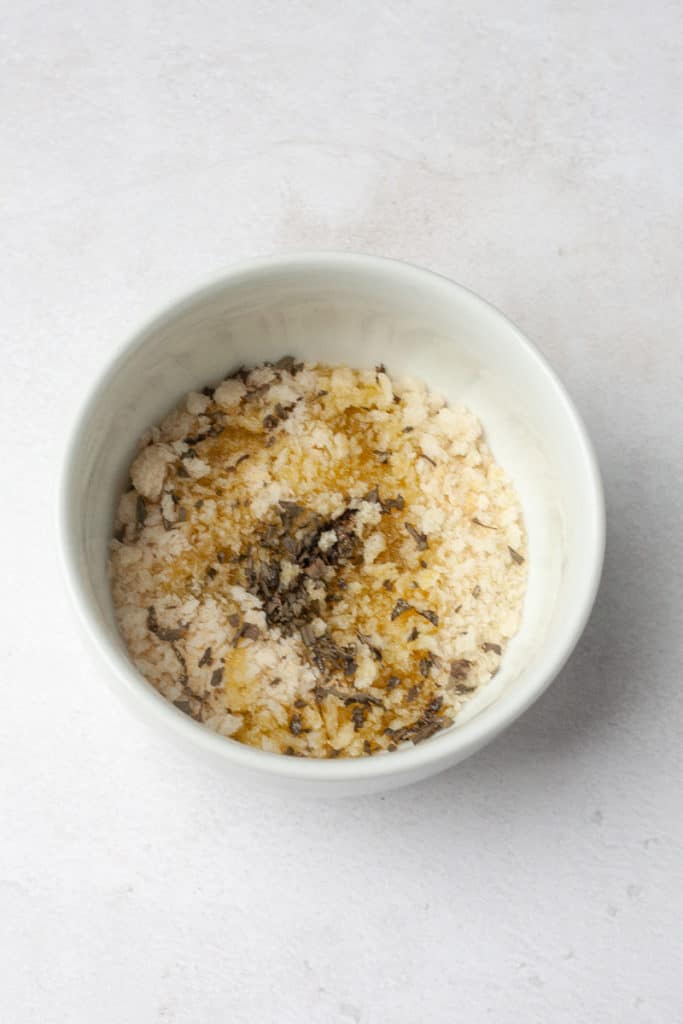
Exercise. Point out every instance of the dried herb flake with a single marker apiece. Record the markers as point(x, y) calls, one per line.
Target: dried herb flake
point(495, 648)
point(419, 538)
point(399, 608)
point(140, 512)
point(460, 668)
point(429, 615)
point(397, 503)
point(358, 714)
point(216, 676)
point(168, 635)
point(250, 630)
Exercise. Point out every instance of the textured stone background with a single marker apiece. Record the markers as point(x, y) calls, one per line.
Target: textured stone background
point(532, 151)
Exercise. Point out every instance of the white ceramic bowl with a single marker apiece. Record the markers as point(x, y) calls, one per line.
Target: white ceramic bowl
point(359, 310)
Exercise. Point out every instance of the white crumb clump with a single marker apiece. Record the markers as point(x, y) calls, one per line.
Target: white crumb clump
point(374, 546)
point(318, 561)
point(327, 540)
point(197, 468)
point(228, 394)
point(148, 470)
point(197, 403)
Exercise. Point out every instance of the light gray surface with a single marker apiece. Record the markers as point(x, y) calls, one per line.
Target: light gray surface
point(536, 158)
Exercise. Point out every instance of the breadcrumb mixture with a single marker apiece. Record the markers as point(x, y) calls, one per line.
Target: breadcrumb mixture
point(318, 561)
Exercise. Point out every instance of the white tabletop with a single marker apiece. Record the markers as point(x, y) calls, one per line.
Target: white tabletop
point(534, 156)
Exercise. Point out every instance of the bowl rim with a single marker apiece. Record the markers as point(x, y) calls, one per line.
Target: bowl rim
point(443, 749)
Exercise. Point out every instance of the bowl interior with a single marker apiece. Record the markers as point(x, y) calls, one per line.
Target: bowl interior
point(363, 311)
